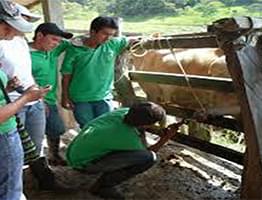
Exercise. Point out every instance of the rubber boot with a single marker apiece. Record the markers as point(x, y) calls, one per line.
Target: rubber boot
point(43, 173)
point(53, 152)
point(107, 192)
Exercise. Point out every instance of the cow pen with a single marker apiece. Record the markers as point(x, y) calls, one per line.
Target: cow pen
point(243, 61)
point(241, 42)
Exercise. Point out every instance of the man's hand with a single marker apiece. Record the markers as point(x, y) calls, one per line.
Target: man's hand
point(12, 84)
point(167, 133)
point(34, 93)
point(67, 103)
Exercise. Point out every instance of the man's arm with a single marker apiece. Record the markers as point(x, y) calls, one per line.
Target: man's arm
point(61, 48)
point(166, 134)
point(66, 102)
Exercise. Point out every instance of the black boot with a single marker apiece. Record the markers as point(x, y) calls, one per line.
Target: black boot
point(53, 152)
point(98, 189)
point(42, 172)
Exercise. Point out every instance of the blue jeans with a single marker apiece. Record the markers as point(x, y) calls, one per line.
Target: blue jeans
point(119, 166)
point(11, 166)
point(86, 111)
point(33, 117)
point(54, 123)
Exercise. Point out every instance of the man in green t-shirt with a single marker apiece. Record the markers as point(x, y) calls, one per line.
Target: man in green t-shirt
point(114, 144)
point(88, 70)
point(45, 49)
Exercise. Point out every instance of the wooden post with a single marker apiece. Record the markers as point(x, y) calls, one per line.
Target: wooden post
point(245, 69)
point(53, 11)
point(244, 64)
point(123, 86)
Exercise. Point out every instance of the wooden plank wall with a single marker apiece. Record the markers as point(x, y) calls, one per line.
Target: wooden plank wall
point(245, 69)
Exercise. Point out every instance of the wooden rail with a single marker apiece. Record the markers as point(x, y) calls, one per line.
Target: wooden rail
point(218, 121)
point(205, 146)
point(86, 32)
point(208, 147)
point(200, 82)
point(205, 41)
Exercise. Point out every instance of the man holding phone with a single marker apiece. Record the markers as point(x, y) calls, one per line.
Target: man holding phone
point(11, 153)
point(45, 49)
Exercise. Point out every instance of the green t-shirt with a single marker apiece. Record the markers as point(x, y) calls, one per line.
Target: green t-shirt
point(44, 69)
point(10, 123)
point(92, 69)
point(103, 135)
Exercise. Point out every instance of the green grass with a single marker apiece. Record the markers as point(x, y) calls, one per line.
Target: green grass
point(184, 21)
point(189, 20)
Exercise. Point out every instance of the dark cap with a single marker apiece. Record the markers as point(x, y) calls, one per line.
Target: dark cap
point(145, 113)
point(53, 29)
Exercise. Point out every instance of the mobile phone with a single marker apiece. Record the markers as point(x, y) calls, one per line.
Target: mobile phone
point(48, 86)
point(20, 89)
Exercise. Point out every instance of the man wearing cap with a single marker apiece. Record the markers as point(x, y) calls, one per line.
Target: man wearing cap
point(46, 47)
point(112, 145)
point(16, 63)
point(88, 70)
point(11, 152)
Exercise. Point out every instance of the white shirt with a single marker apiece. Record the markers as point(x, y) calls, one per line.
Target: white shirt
point(15, 60)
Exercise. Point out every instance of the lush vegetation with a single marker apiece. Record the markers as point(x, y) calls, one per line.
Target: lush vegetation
point(129, 8)
point(167, 16)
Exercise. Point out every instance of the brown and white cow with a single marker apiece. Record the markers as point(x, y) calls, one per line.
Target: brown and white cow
point(203, 61)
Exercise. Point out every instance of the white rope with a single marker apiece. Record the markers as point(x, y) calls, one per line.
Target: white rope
point(139, 45)
point(186, 77)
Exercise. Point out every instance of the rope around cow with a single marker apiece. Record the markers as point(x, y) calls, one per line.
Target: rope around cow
point(139, 45)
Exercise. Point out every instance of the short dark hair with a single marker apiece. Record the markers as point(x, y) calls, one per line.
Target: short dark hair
point(103, 22)
point(145, 113)
point(51, 28)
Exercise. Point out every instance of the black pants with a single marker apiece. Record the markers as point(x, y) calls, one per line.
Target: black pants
point(119, 166)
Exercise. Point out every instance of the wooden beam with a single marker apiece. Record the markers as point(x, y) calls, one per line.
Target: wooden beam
point(53, 11)
point(28, 4)
point(218, 150)
point(211, 148)
point(218, 121)
point(180, 42)
point(206, 34)
point(236, 24)
point(186, 113)
point(200, 82)
point(81, 31)
point(245, 69)
point(230, 29)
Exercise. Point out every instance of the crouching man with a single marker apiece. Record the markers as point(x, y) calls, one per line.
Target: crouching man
point(113, 145)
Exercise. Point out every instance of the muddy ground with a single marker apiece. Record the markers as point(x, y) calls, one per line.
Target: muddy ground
point(182, 173)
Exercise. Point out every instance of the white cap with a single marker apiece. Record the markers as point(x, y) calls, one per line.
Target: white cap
point(11, 15)
point(24, 11)
point(20, 24)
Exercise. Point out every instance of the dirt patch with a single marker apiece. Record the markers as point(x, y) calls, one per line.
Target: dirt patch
point(182, 173)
